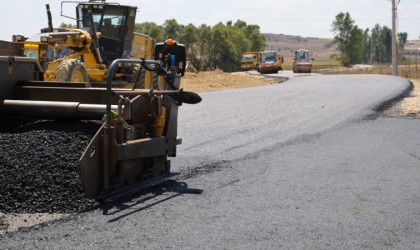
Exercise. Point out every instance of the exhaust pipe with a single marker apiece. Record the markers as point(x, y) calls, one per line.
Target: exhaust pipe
point(50, 25)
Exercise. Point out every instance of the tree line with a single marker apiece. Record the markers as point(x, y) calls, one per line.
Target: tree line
point(220, 46)
point(208, 48)
point(356, 45)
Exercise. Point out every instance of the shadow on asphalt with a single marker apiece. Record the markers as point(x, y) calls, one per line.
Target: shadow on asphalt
point(172, 187)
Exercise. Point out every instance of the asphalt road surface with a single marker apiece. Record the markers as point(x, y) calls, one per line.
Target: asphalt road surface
point(307, 164)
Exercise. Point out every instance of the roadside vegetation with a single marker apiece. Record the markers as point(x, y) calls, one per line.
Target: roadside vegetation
point(221, 46)
point(358, 46)
point(210, 48)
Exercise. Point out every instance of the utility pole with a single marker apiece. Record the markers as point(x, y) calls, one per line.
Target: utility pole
point(394, 40)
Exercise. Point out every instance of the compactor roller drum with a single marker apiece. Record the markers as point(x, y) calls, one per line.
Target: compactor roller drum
point(71, 70)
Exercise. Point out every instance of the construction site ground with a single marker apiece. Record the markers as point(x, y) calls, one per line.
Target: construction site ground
point(205, 82)
point(409, 106)
point(219, 80)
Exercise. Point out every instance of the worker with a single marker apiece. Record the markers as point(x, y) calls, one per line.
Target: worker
point(107, 28)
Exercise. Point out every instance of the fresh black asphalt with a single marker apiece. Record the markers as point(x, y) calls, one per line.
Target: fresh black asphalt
point(307, 164)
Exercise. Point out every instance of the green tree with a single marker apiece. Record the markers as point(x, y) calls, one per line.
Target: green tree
point(386, 37)
point(239, 24)
point(402, 40)
point(229, 42)
point(343, 27)
point(68, 26)
point(377, 46)
point(151, 29)
point(381, 44)
point(189, 37)
point(204, 47)
point(220, 46)
point(356, 45)
point(257, 39)
point(366, 47)
point(171, 29)
point(240, 44)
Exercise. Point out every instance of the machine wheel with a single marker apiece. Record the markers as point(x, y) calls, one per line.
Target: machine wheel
point(71, 71)
point(137, 77)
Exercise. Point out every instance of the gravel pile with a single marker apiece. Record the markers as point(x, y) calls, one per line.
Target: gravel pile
point(38, 165)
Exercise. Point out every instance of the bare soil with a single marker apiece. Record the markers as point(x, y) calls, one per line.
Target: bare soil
point(409, 106)
point(218, 80)
point(13, 221)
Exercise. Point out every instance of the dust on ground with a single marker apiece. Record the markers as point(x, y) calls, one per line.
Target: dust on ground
point(205, 82)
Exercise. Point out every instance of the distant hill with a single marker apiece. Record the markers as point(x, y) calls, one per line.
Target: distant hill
point(320, 48)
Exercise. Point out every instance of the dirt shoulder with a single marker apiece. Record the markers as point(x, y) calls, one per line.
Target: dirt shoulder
point(410, 106)
point(219, 80)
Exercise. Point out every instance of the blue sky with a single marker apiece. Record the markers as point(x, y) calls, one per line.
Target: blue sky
point(307, 18)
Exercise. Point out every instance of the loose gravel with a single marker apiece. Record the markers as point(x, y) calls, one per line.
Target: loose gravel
point(38, 165)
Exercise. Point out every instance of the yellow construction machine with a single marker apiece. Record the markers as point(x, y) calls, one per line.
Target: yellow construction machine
point(269, 62)
point(249, 60)
point(302, 63)
point(139, 130)
point(104, 32)
point(139, 125)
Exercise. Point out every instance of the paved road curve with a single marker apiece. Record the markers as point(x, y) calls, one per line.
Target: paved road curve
point(309, 163)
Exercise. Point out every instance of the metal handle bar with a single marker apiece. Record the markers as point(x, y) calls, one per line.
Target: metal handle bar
point(111, 72)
